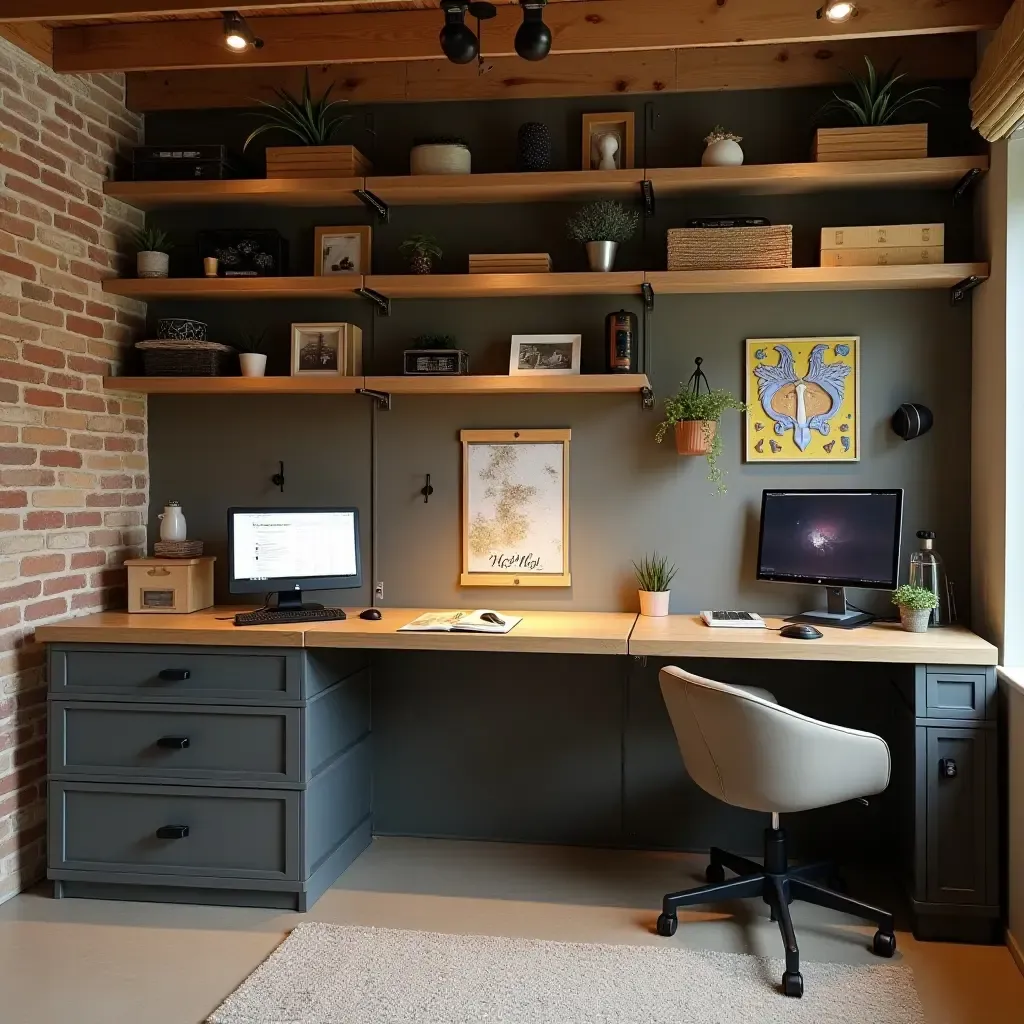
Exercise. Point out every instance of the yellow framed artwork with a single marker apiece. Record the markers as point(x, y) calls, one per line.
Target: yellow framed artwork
point(803, 398)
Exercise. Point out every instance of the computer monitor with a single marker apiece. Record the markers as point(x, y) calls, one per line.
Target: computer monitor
point(292, 550)
point(838, 539)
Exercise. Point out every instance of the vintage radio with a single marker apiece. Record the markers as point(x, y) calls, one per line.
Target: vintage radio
point(181, 163)
point(436, 362)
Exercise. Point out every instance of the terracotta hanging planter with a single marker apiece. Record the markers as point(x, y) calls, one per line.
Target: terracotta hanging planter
point(694, 437)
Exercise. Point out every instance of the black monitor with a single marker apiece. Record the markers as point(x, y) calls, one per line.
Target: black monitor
point(292, 550)
point(837, 539)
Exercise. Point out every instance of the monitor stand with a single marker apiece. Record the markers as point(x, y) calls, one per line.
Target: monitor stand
point(291, 601)
point(838, 613)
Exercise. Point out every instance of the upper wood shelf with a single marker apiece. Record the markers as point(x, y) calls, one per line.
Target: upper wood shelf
point(492, 286)
point(305, 385)
point(338, 286)
point(152, 195)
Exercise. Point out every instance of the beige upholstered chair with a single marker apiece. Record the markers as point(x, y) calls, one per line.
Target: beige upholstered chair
point(742, 747)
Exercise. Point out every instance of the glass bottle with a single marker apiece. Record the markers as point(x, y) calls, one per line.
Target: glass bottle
point(928, 572)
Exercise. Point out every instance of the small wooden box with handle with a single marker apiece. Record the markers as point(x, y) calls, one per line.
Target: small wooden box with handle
point(170, 585)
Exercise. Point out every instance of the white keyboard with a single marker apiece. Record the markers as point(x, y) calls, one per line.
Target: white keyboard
point(733, 620)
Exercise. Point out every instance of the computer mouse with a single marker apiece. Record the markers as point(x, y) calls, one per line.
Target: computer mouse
point(800, 631)
point(374, 613)
point(493, 617)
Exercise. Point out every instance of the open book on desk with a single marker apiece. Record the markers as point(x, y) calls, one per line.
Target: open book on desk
point(462, 622)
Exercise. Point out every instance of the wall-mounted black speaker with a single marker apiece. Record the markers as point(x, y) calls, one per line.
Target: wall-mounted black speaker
point(911, 420)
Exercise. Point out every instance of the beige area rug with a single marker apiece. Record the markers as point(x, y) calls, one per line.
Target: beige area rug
point(332, 974)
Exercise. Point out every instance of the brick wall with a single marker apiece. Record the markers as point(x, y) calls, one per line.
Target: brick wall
point(73, 463)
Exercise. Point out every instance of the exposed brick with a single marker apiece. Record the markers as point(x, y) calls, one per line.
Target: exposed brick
point(67, 381)
point(20, 592)
point(51, 399)
point(63, 584)
point(109, 500)
point(44, 435)
point(43, 356)
point(58, 499)
point(44, 521)
point(85, 403)
point(40, 565)
point(19, 268)
point(84, 518)
point(13, 499)
point(66, 541)
point(88, 560)
point(18, 371)
point(45, 609)
point(62, 458)
point(12, 456)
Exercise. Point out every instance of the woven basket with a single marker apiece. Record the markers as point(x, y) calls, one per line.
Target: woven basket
point(760, 248)
point(184, 358)
point(178, 548)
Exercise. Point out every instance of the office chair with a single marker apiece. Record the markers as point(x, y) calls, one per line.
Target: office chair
point(741, 746)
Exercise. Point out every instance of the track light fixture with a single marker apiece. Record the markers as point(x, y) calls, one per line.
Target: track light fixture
point(458, 43)
point(837, 11)
point(533, 40)
point(238, 37)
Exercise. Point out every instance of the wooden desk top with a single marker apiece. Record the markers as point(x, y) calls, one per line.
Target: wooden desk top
point(686, 636)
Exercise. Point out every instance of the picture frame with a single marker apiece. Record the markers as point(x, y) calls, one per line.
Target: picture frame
point(618, 125)
point(342, 250)
point(803, 399)
point(326, 350)
point(545, 355)
point(515, 508)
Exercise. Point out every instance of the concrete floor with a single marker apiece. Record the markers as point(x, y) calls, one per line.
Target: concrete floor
point(95, 962)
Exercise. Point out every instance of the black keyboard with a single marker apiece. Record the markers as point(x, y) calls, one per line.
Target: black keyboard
point(271, 616)
point(725, 616)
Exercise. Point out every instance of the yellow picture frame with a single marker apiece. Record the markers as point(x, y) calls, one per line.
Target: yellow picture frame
point(620, 124)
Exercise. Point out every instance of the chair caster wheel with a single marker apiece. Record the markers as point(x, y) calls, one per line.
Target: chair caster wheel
point(667, 925)
point(715, 874)
point(793, 985)
point(883, 944)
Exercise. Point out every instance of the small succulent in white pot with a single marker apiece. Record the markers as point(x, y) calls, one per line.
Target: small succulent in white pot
point(722, 149)
point(252, 360)
point(915, 605)
point(653, 576)
point(152, 257)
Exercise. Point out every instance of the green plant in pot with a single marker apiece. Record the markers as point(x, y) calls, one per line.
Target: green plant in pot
point(421, 251)
point(653, 577)
point(602, 226)
point(308, 121)
point(152, 253)
point(915, 605)
point(252, 360)
point(434, 341)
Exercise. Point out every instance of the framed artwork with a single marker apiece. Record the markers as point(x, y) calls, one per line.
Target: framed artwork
point(545, 354)
point(332, 350)
point(608, 141)
point(804, 400)
point(515, 508)
point(344, 250)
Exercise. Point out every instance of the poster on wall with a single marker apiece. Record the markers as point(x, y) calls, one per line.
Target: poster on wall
point(803, 397)
point(515, 508)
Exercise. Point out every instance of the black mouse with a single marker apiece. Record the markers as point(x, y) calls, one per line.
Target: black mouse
point(493, 617)
point(374, 613)
point(800, 631)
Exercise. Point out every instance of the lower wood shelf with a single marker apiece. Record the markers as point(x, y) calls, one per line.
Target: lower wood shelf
point(337, 286)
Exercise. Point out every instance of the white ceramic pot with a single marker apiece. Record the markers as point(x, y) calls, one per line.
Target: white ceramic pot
point(252, 364)
point(439, 158)
point(152, 264)
point(654, 602)
point(724, 153)
point(172, 522)
point(915, 620)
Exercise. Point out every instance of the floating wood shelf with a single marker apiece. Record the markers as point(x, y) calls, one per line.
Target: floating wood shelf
point(152, 195)
point(339, 286)
point(493, 286)
point(236, 385)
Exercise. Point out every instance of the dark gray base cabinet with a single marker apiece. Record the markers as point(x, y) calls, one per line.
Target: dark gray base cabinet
point(206, 775)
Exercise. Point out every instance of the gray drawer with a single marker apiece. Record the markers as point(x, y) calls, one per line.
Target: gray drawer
point(959, 693)
point(113, 830)
point(173, 673)
point(175, 741)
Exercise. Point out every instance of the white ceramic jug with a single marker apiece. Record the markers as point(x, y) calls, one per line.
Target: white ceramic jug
point(172, 522)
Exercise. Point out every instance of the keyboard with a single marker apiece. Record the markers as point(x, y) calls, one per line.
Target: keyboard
point(748, 620)
point(271, 616)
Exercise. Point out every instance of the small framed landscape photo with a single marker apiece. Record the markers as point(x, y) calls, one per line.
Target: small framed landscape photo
point(608, 141)
point(326, 350)
point(344, 250)
point(545, 354)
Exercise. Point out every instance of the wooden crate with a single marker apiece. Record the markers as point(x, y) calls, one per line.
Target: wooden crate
point(174, 585)
point(881, 142)
point(316, 162)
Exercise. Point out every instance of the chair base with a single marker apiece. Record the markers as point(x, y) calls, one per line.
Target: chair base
point(778, 885)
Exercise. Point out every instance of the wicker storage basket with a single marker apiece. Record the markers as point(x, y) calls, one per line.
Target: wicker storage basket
point(759, 248)
point(178, 549)
point(185, 358)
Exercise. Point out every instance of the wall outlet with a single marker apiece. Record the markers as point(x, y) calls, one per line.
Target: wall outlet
point(378, 590)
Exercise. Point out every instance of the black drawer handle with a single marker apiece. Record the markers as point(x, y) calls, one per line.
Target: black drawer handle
point(172, 832)
point(175, 675)
point(173, 742)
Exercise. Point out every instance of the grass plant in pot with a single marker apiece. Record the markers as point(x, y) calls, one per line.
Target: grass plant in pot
point(915, 605)
point(420, 251)
point(252, 360)
point(152, 257)
point(602, 226)
point(653, 577)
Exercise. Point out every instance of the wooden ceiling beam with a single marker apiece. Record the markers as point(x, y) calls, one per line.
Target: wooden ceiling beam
point(590, 26)
point(34, 39)
point(87, 10)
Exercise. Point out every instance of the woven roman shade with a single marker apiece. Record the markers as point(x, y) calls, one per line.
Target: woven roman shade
point(997, 92)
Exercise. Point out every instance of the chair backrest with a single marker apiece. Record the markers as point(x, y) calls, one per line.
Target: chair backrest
point(750, 752)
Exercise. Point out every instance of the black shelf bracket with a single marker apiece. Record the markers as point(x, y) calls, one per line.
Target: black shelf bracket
point(382, 302)
point(959, 290)
point(647, 293)
point(647, 397)
point(647, 194)
point(382, 398)
point(963, 186)
point(375, 203)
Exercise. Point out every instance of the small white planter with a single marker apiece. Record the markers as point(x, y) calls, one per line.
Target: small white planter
point(654, 602)
point(253, 364)
point(152, 264)
point(915, 620)
point(437, 158)
point(724, 153)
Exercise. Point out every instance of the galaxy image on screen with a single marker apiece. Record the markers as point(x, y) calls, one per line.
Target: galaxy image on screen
point(825, 536)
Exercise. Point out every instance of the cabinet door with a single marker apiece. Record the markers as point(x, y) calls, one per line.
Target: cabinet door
point(958, 840)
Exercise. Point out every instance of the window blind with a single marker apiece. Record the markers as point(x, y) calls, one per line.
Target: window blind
point(997, 92)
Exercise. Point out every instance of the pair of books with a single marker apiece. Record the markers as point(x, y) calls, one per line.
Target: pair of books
point(510, 263)
point(883, 245)
point(479, 621)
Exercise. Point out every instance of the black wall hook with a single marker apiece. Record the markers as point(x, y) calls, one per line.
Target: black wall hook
point(426, 490)
point(278, 478)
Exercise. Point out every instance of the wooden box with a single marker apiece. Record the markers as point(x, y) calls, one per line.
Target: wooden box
point(170, 585)
point(878, 142)
point(316, 162)
point(756, 248)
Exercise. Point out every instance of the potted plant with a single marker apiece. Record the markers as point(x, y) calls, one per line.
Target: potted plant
point(722, 149)
point(915, 605)
point(440, 155)
point(421, 251)
point(879, 102)
point(252, 360)
point(314, 123)
point(601, 226)
point(152, 257)
point(653, 576)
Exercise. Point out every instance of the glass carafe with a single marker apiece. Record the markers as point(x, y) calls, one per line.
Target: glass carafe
point(928, 572)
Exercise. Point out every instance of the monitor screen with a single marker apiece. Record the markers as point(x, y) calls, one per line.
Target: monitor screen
point(835, 538)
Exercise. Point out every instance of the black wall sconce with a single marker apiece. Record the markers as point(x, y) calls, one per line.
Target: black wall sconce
point(911, 420)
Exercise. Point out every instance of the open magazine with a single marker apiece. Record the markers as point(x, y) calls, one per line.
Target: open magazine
point(462, 622)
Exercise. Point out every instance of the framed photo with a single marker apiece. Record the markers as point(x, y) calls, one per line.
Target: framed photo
point(803, 397)
point(608, 141)
point(515, 508)
point(344, 250)
point(327, 350)
point(545, 354)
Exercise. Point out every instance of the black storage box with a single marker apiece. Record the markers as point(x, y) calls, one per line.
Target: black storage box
point(240, 252)
point(435, 362)
point(180, 163)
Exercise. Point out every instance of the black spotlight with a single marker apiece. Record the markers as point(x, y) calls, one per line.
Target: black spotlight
point(458, 42)
point(533, 40)
point(238, 37)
